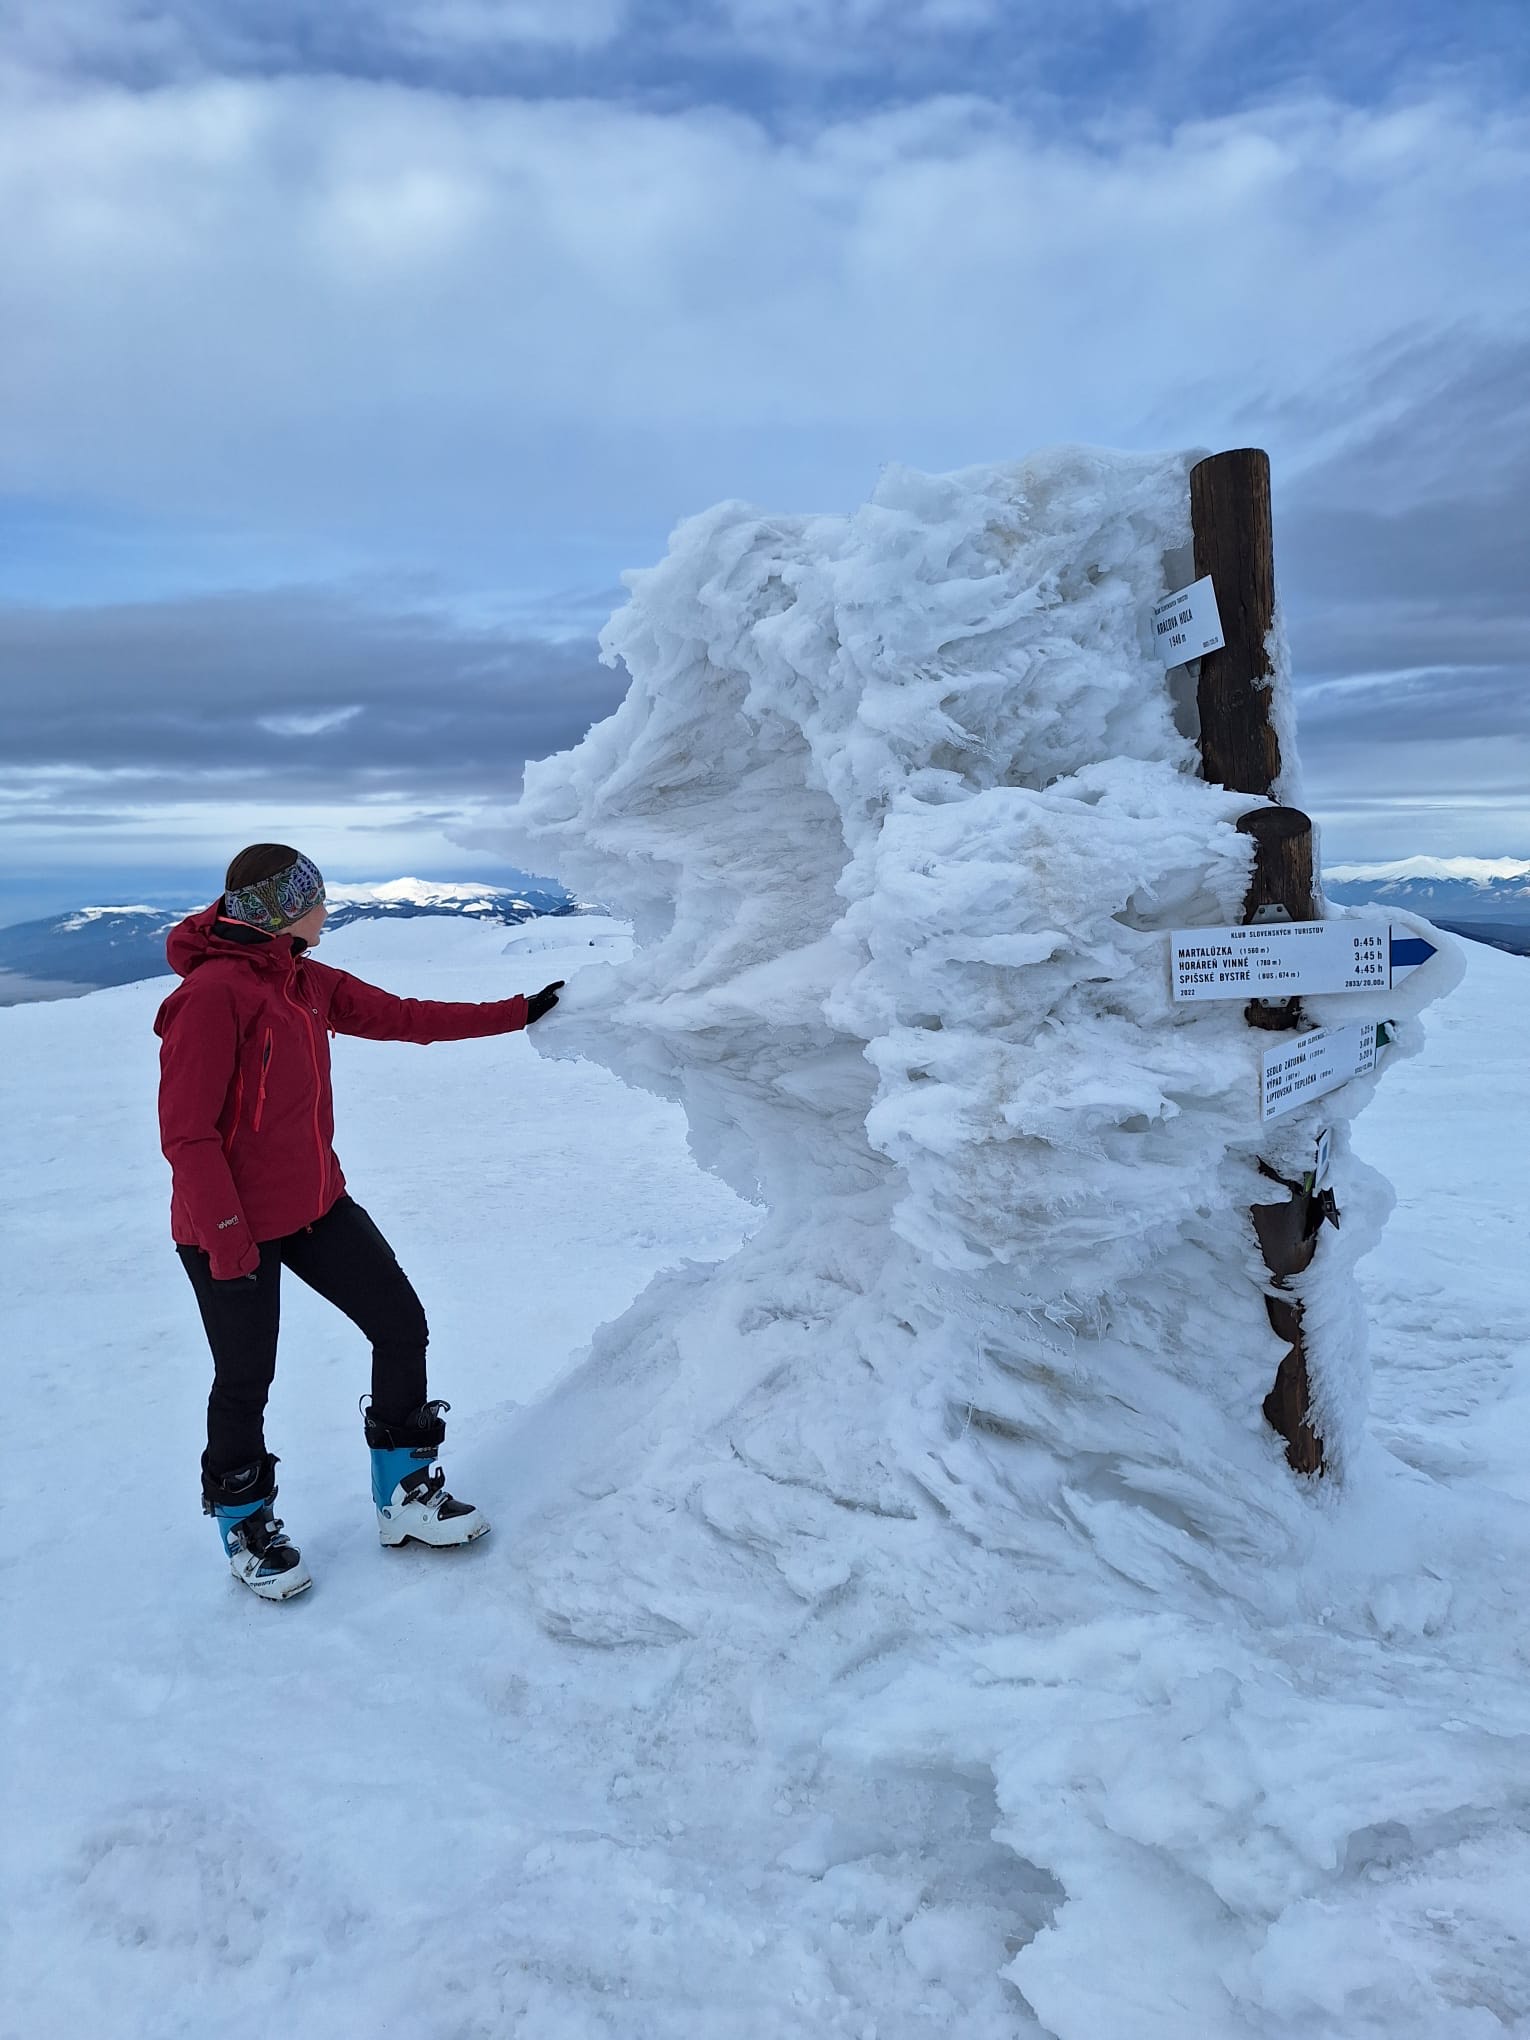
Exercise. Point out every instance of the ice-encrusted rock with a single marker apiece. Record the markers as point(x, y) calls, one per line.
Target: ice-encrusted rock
point(902, 806)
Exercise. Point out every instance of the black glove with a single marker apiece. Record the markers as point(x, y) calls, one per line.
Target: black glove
point(543, 1001)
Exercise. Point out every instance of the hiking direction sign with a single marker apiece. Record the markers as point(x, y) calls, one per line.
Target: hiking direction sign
point(1187, 624)
point(1286, 959)
point(1307, 1065)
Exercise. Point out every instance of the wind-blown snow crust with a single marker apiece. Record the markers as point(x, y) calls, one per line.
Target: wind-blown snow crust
point(958, 1467)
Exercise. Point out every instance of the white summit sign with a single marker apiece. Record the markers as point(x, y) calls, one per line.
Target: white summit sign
point(1284, 959)
point(1188, 623)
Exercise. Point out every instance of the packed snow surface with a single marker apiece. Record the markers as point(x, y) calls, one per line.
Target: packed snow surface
point(901, 1620)
point(404, 1806)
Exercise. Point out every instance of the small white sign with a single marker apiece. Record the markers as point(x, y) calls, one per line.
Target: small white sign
point(1322, 1159)
point(1310, 1064)
point(1187, 624)
point(1281, 959)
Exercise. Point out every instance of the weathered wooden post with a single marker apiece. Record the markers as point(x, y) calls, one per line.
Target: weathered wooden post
point(1240, 749)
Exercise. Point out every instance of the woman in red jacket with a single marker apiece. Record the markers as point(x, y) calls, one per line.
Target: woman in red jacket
point(246, 1121)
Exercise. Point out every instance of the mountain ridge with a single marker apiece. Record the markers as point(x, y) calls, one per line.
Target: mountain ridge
point(92, 947)
point(1491, 889)
point(1486, 899)
point(1473, 870)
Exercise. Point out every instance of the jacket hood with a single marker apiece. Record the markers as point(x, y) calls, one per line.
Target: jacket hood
point(198, 939)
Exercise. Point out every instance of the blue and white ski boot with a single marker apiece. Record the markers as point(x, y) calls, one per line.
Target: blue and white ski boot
point(260, 1554)
point(409, 1489)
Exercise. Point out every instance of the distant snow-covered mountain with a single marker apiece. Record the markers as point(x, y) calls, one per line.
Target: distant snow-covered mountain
point(1485, 898)
point(95, 946)
point(1486, 888)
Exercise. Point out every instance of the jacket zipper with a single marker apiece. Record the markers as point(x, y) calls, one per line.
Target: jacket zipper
point(260, 1100)
point(313, 1057)
point(228, 1138)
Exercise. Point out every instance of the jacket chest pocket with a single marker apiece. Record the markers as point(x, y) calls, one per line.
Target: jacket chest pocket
point(265, 1075)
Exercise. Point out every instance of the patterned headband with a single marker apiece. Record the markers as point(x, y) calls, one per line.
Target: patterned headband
point(275, 903)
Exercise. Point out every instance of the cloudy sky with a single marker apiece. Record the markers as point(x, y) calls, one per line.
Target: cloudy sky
point(349, 349)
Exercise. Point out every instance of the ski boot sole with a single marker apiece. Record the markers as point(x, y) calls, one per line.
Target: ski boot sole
point(430, 1544)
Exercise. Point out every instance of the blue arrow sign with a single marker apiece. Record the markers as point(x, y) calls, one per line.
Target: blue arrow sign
point(1411, 949)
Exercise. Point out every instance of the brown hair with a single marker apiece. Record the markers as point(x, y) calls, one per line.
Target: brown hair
point(261, 860)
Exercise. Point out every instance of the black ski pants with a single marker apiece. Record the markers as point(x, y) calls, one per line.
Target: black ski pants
point(346, 1259)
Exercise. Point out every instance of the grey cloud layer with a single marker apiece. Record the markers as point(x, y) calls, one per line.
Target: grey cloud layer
point(428, 325)
point(1402, 563)
point(169, 695)
point(1401, 558)
point(1167, 58)
point(337, 306)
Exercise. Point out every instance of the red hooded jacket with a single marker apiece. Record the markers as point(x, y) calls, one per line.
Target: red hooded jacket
point(246, 1114)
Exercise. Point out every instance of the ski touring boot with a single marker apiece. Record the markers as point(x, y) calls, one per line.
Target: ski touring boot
point(409, 1489)
point(260, 1554)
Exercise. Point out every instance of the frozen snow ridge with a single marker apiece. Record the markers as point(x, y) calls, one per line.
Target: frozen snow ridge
point(958, 1469)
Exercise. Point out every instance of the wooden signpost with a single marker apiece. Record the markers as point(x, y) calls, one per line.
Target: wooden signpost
point(1240, 749)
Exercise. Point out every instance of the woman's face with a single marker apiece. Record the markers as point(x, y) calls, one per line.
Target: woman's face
point(311, 925)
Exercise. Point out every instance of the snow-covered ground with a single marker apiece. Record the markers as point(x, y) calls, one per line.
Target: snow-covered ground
point(440, 1797)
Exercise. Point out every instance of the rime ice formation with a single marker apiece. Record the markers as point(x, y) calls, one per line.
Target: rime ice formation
point(959, 1463)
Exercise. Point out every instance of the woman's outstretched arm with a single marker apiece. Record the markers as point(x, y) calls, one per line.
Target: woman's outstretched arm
point(355, 1007)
